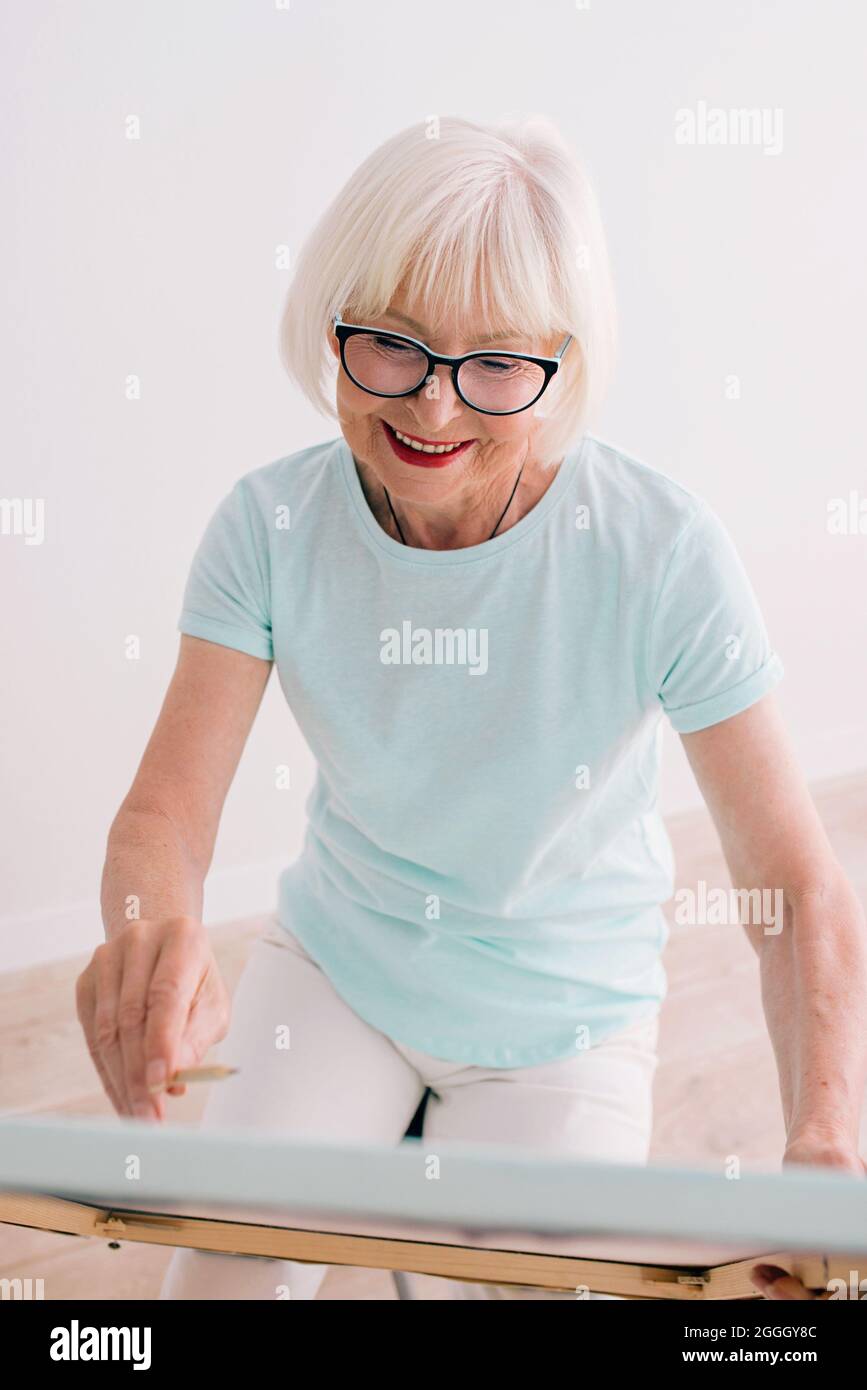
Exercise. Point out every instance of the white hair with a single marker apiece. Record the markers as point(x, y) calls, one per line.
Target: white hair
point(491, 228)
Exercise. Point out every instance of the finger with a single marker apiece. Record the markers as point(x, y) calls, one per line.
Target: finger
point(85, 1000)
point(195, 1043)
point(174, 986)
point(108, 968)
point(118, 1100)
point(208, 1020)
point(789, 1288)
point(776, 1283)
point(141, 949)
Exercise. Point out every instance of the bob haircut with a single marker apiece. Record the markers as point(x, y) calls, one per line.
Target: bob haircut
point(491, 228)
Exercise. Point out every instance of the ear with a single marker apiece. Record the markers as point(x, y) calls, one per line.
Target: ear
point(333, 343)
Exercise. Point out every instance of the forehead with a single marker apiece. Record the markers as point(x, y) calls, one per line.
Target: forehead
point(468, 323)
point(469, 330)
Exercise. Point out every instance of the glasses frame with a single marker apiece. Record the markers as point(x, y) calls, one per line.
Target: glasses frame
point(344, 331)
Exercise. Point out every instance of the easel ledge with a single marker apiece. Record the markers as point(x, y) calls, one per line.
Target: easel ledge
point(472, 1264)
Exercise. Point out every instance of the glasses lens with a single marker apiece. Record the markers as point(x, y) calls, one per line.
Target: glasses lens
point(500, 383)
point(384, 364)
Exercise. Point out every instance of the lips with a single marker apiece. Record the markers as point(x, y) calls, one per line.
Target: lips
point(419, 457)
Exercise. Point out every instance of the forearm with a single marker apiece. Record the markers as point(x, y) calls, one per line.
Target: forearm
point(149, 872)
point(814, 992)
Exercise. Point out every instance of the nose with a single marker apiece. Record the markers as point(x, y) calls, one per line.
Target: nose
point(437, 403)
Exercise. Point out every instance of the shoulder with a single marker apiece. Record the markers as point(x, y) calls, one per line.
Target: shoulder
point(294, 480)
point(650, 527)
point(633, 504)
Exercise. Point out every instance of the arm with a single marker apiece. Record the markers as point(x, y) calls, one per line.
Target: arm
point(162, 839)
point(151, 999)
point(814, 971)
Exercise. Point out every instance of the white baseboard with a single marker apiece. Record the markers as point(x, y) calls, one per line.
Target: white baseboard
point(57, 934)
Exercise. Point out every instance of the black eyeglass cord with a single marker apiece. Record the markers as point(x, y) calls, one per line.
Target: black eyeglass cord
point(496, 528)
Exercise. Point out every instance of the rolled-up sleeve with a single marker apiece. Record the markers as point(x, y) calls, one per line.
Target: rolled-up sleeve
point(227, 595)
point(709, 655)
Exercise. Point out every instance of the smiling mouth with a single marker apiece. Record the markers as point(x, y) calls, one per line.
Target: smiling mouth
point(431, 453)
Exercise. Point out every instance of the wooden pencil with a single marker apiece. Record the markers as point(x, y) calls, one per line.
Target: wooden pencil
point(187, 1074)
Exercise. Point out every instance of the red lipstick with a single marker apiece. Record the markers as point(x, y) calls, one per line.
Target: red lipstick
point(407, 454)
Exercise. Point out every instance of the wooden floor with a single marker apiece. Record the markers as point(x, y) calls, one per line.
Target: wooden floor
point(715, 1096)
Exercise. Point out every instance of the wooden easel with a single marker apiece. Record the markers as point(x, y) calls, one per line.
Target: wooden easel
point(469, 1263)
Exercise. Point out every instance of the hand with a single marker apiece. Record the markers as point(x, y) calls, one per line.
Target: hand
point(773, 1282)
point(816, 1151)
point(150, 998)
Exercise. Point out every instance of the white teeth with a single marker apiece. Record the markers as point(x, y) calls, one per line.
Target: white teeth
point(426, 448)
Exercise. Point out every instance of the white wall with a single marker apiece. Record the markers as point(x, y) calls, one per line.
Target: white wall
point(157, 257)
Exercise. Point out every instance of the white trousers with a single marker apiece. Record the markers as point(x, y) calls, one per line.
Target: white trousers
point(342, 1080)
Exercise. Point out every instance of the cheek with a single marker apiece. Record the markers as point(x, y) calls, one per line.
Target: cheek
point(353, 402)
point(506, 431)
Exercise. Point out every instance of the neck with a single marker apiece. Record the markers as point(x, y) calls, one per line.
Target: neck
point(463, 520)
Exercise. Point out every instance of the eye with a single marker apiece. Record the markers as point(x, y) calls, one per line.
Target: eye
point(391, 345)
point(497, 366)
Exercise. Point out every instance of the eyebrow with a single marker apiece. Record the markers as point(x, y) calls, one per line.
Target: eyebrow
point(420, 330)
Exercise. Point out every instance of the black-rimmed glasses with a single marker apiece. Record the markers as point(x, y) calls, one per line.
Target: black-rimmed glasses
point(392, 364)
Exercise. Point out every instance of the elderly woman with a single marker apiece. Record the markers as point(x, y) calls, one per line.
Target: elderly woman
point(479, 614)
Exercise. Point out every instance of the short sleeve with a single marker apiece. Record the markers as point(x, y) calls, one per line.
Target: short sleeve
point(709, 656)
point(226, 599)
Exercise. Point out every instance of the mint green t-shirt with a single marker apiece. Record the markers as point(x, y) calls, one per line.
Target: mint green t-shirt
point(484, 860)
